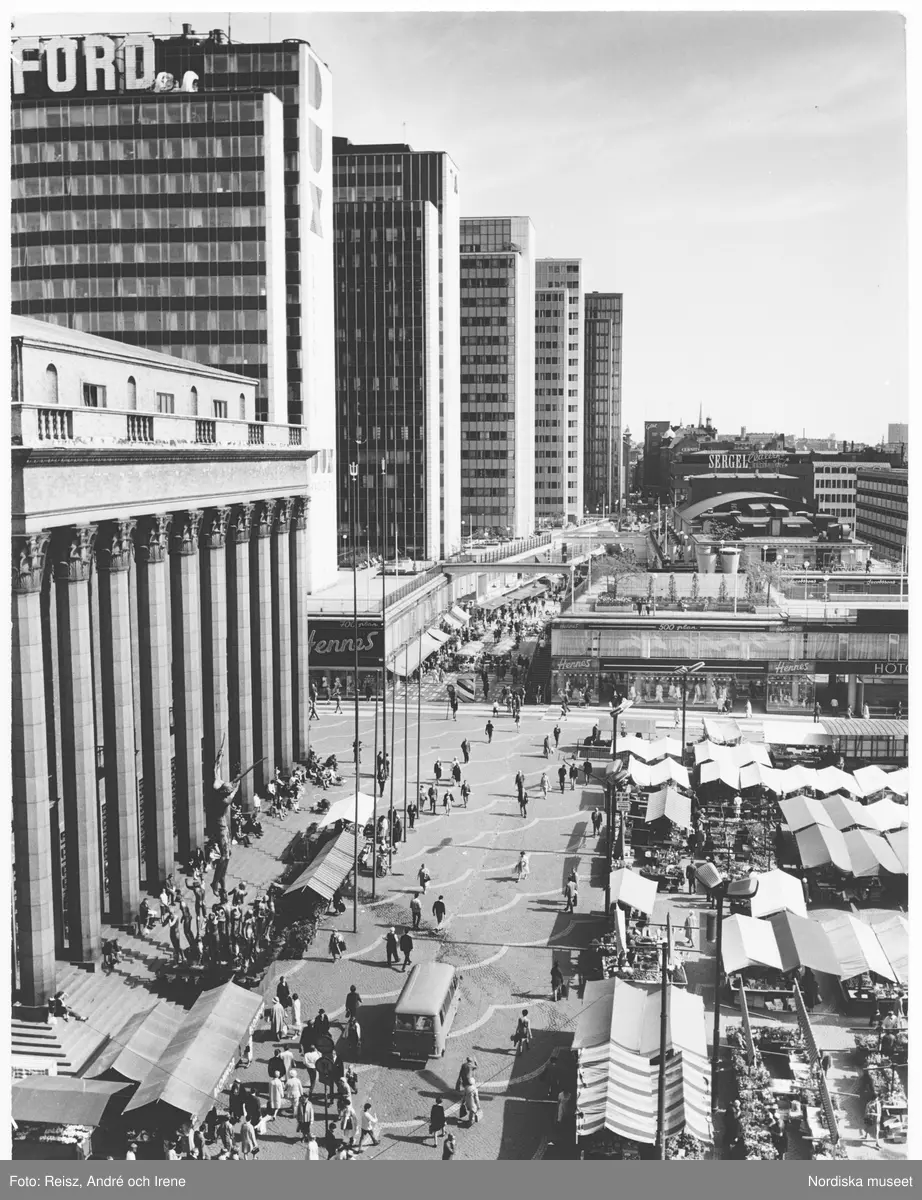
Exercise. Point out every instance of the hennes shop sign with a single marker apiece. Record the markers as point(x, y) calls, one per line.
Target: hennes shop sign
point(125, 63)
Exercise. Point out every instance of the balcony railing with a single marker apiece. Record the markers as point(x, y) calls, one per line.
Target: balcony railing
point(55, 425)
point(140, 427)
point(294, 435)
point(205, 433)
point(256, 434)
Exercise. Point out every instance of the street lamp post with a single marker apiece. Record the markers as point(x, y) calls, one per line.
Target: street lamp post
point(683, 673)
point(353, 477)
point(737, 889)
point(825, 597)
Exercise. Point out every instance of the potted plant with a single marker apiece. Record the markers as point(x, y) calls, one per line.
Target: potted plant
point(706, 557)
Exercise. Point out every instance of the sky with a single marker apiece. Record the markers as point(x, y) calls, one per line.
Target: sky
point(739, 177)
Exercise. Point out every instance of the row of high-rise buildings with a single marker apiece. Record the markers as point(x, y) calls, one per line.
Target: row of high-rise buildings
point(185, 194)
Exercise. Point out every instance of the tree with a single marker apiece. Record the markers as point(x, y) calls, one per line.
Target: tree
point(616, 567)
point(722, 594)
point(695, 586)
point(673, 591)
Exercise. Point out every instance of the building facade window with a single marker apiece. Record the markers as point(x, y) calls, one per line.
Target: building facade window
point(166, 402)
point(51, 384)
point(94, 395)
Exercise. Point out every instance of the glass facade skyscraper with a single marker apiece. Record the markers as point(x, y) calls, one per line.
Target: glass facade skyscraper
point(603, 473)
point(558, 390)
point(498, 375)
point(397, 309)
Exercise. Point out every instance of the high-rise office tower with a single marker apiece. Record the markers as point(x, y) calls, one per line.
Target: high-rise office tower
point(558, 390)
point(498, 375)
point(176, 194)
point(604, 483)
point(396, 215)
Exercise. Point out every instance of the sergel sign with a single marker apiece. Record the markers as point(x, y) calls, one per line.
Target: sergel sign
point(746, 462)
point(93, 64)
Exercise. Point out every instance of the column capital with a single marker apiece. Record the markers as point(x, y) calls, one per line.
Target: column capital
point(265, 515)
point(152, 537)
point(114, 545)
point(29, 551)
point(214, 528)
point(241, 522)
point(300, 506)
point(187, 523)
point(283, 509)
point(74, 553)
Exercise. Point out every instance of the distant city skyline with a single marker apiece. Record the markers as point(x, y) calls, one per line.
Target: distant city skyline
point(740, 177)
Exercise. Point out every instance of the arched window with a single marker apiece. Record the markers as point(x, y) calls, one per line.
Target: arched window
point(243, 407)
point(193, 395)
point(51, 384)
point(132, 393)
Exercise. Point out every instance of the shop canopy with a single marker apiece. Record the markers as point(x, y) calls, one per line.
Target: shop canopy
point(469, 649)
point(633, 890)
point(327, 869)
point(450, 619)
point(872, 780)
point(870, 854)
point(405, 662)
point(63, 1100)
point(191, 1071)
point(778, 892)
point(893, 934)
point(803, 943)
point(802, 811)
point(787, 733)
point(344, 810)
point(846, 814)
point(820, 846)
point(720, 772)
point(724, 733)
point(885, 815)
point(671, 804)
point(857, 947)
point(899, 844)
point(138, 1045)
point(830, 779)
point(748, 943)
point(898, 782)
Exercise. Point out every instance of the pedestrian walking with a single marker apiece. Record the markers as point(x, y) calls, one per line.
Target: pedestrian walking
point(424, 877)
point(516, 716)
point(406, 946)
point(433, 797)
point(816, 710)
point(562, 776)
point(691, 878)
point(304, 1116)
point(547, 747)
point(294, 1090)
point(465, 792)
point(348, 1125)
point(466, 750)
point(412, 813)
point(246, 1139)
point(454, 707)
point(353, 1002)
point(495, 709)
point(521, 867)
point(556, 736)
point(277, 1018)
point(544, 784)
point(311, 1058)
point(449, 1147)
point(437, 770)
point(597, 820)
point(416, 909)
point(276, 1095)
point(574, 775)
point(523, 804)
point(437, 1121)
point(447, 802)
point(556, 981)
point(587, 770)
point(571, 895)
point(456, 771)
point(337, 945)
point(521, 1039)
point(564, 707)
point(390, 943)
point(488, 729)
point(337, 697)
point(470, 1102)
point(438, 911)
point(865, 713)
point(370, 1127)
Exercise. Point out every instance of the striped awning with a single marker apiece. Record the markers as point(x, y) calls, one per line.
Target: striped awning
point(828, 1110)
point(325, 873)
point(405, 661)
point(618, 1091)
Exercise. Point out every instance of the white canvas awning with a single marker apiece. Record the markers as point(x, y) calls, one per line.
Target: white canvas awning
point(669, 770)
point(820, 846)
point(800, 812)
point(664, 747)
point(459, 614)
point(778, 892)
point(749, 943)
point(893, 934)
point(846, 814)
point(870, 854)
point(669, 803)
point(898, 841)
point(831, 779)
point(344, 810)
point(633, 890)
point(739, 756)
point(885, 815)
point(720, 771)
point(724, 733)
point(871, 780)
point(857, 947)
point(898, 782)
point(639, 772)
point(786, 733)
point(794, 779)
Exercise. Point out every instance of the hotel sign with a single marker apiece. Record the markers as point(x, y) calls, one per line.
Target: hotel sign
point(746, 462)
point(85, 65)
point(891, 668)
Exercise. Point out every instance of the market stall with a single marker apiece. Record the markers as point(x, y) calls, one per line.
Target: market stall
point(871, 854)
point(800, 812)
point(803, 942)
point(344, 810)
point(750, 951)
point(722, 733)
point(633, 891)
point(778, 892)
point(326, 871)
point(60, 1117)
point(847, 814)
point(131, 1054)
point(869, 982)
point(899, 844)
point(820, 846)
point(872, 780)
point(886, 815)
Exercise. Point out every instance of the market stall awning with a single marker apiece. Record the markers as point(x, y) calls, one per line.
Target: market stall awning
point(802, 811)
point(794, 779)
point(819, 846)
point(639, 772)
point(898, 782)
point(634, 744)
point(669, 803)
point(748, 943)
point(899, 844)
point(872, 780)
point(669, 771)
point(789, 733)
point(327, 869)
point(724, 733)
point(722, 772)
point(135, 1049)
point(856, 947)
point(893, 934)
point(742, 755)
point(344, 810)
point(830, 779)
point(450, 619)
point(885, 815)
point(871, 853)
point(759, 775)
point(633, 890)
point(665, 747)
point(846, 814)
point(459, 614)
point(194, 1066)
point(778, 892)
point(64, 1100)
point(628, 1015)
point(803, 943)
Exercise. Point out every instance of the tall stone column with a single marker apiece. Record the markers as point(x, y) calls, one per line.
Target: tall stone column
point(151, 542)
point(185, 597)
point(261, 631)
point(35, 945)
point(214, 639)
point(239, 651)
point(113, 559)
point(73, 562)
point(281, 632)
point(299, 625)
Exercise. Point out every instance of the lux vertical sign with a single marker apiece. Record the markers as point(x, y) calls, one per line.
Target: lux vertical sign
point(93, 64)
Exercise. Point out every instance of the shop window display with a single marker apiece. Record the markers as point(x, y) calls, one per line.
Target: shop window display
point(579, 687)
